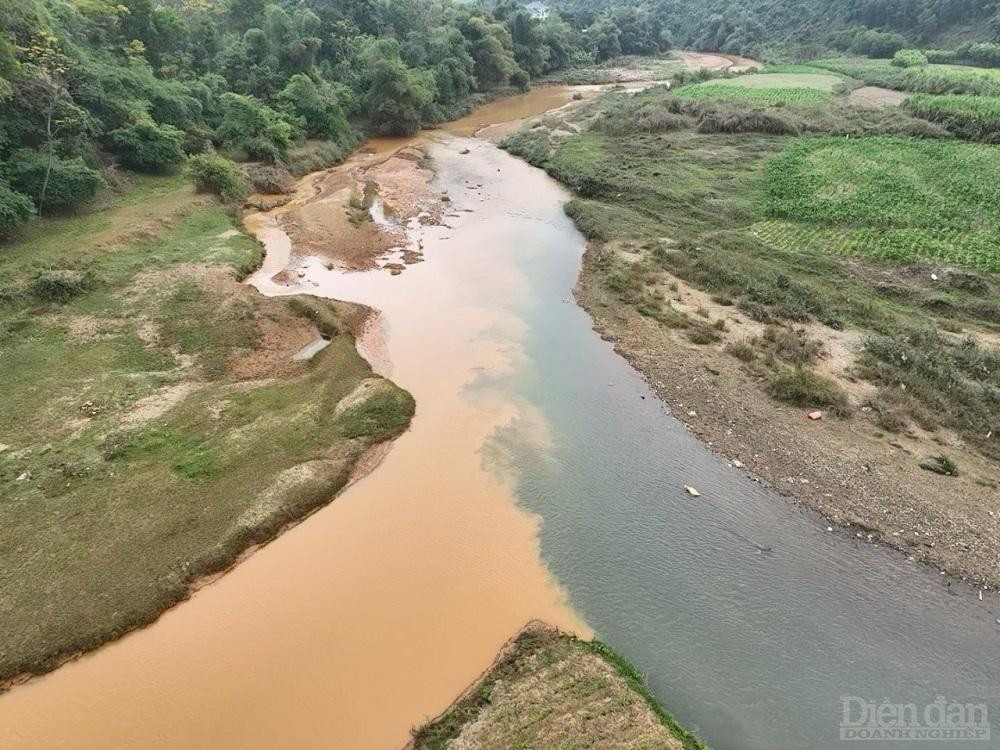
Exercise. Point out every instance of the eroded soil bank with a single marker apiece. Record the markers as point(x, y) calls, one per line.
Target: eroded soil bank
point(549, 690)
point(860, 472)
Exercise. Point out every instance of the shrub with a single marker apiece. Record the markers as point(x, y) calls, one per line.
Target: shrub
point(318, 107)
point(752, 121)
point(955, 382)
point(250, 125)
point(270, 178)
point(941, 56)
point(889, 418)
point(216, 174)
point(57, 285)
point(940, 465)
point(742, 350)
point(986, 54)
point(909, 58)
point(874, 43)
point(703, 334)
point(148, 147)
point(807, 389)
point(641, 117)
point(792, 346)
point(70, 181)
point(15, 208)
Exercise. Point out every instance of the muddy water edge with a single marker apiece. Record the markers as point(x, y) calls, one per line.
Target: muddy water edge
point(354, 627)
point(750, 620)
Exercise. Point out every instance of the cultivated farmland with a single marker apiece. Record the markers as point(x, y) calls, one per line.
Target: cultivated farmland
point(974, 117)
point(755, 95)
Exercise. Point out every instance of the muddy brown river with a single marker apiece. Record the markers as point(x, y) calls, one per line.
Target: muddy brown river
point(541, 479)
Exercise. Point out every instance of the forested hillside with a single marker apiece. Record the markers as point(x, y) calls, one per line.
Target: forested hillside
point(87, 85)
point(804, 27)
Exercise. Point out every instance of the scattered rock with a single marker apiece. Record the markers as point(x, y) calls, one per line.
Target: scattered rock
point(25, 476)
point(691, 490)
point(738, 464)
point(464, 151)
point(4, 447)
point(815, 415)
point(692, 413)
point(90, 408)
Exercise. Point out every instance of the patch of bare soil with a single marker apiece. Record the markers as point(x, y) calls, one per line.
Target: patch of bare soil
point(159, 403)
point(279, 338)
point(548, 690)
point(329, 213)
point(280, 333)
point(848, 470)
point(79, 326)
point(717, 61)
point(876, 96)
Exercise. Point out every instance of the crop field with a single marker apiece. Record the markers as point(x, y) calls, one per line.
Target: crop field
point(897, 199)
point(754, 94)
point(975, 249)
point(930, 79)
point(972, 117)
point(962, 70)
point(795, 78)
point(793, 69)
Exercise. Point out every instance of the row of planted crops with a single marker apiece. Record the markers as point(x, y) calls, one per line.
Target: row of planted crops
point(895, 199)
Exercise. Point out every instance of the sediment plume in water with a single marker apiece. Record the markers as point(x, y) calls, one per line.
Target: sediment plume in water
point(375, 613)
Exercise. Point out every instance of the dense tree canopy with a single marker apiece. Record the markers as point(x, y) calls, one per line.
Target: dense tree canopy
point(86, 83)
point(873, 27)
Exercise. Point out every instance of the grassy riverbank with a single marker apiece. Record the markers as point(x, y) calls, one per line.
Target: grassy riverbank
point(154, 422)
point(548, 689)
point(757, 265)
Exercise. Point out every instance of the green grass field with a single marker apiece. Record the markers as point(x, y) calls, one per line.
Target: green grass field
point(766, 88)
point(931, 79)
point(886, 182)
point(138, 453)
point(789, 229)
